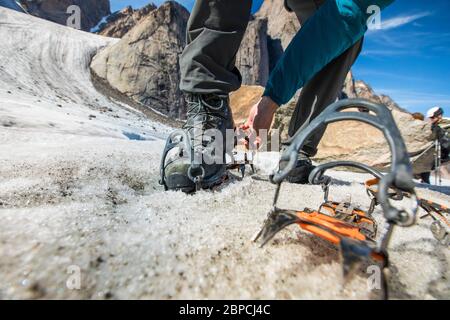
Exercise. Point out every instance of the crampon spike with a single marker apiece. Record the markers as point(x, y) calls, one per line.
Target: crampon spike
point(242, 170)
point(353, 254)
point(276, 221)
point(384, 281)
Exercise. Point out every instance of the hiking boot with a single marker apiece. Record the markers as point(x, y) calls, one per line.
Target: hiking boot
point(194, 160)
point(303, 168)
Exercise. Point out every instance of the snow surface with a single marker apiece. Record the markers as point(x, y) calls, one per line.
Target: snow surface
point(75, 192)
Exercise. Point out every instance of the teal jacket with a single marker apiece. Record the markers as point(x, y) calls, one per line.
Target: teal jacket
point(335, 27)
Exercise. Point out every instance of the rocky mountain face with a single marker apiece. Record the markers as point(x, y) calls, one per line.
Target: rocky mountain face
point(268, 34)
point(144, 64)
point(253, 57)
point(92, 11)
point(363, 90)
point(282, 25)
point(118, 24)
point(359, 89)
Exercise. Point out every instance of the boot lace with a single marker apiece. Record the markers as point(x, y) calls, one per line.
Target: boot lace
point(202, 115)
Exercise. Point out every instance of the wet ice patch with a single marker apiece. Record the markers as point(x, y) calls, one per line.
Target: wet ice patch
point(134, 136)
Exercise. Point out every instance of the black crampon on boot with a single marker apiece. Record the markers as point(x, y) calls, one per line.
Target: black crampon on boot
point(303, 168)
point(191, 158)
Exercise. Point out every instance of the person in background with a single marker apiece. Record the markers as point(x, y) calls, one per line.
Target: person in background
point(440, 135)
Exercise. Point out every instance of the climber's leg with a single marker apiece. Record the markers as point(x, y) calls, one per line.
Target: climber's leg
point(333, 29)
point(195, 158)
point(325, 86)
point(215, 31)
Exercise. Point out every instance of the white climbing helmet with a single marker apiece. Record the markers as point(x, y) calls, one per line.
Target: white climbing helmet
point(434, 112)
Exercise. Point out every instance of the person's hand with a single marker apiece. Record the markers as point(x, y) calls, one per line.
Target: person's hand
point(260, 118)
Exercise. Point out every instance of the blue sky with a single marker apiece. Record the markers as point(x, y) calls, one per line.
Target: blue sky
point(408, 59)
point(119, 4)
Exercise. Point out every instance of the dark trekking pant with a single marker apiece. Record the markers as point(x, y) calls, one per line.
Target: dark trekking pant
point(215, 31)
